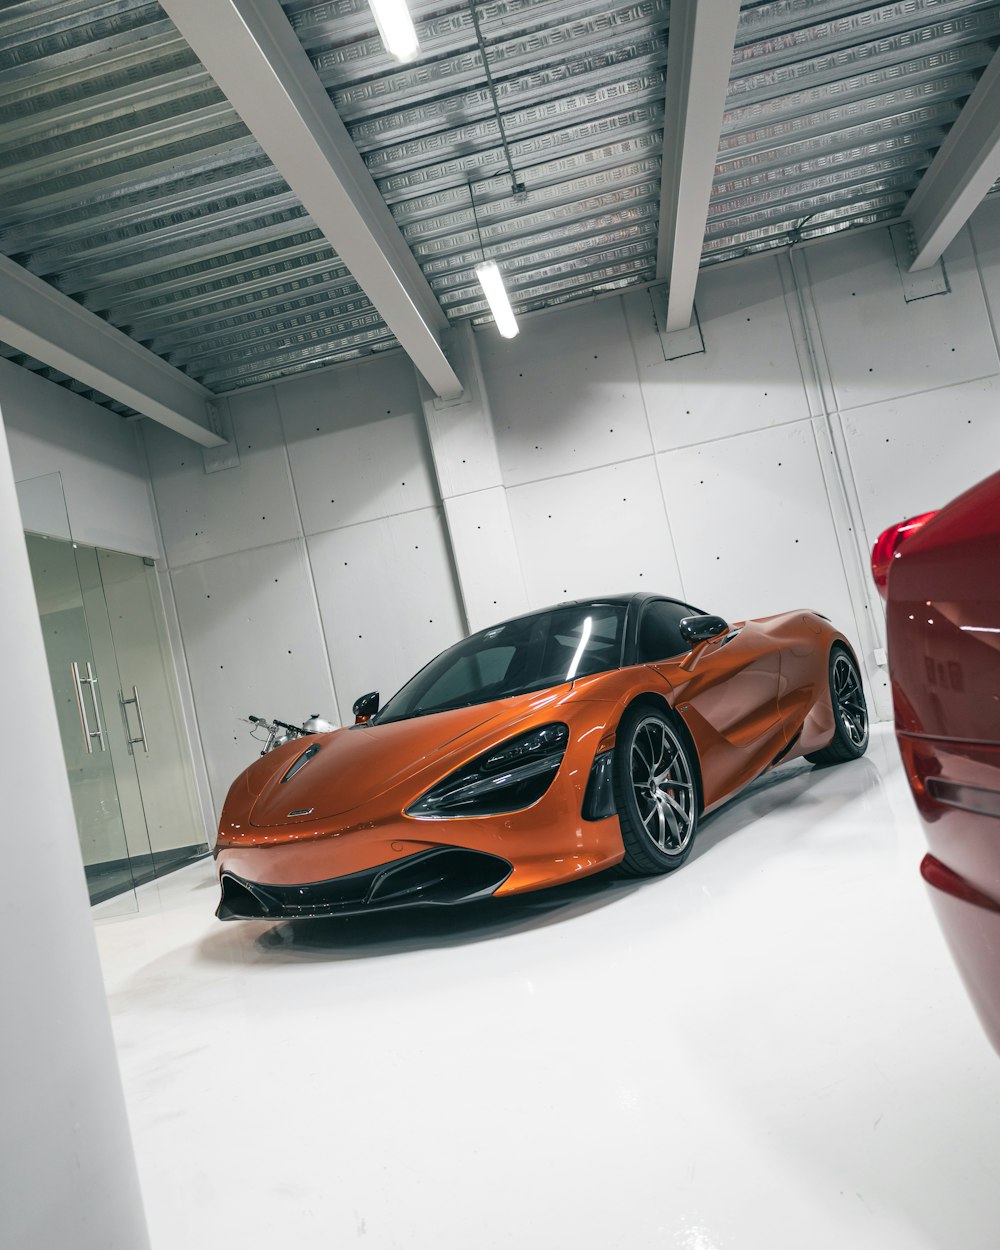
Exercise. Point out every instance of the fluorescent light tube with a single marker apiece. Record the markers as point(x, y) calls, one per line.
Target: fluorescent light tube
point(395, 25)
point(491, 280)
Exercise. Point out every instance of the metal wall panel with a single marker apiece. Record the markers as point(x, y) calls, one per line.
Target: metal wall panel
point(563, 396)
point(203, 515)
point(596, 532)
point(747, 377)
point(100, 467)
point(388, 600)
point(750, 538)
point(482, 538)
point(253, 644)
point(878, 346)
point(356, 444)
point(915, 453)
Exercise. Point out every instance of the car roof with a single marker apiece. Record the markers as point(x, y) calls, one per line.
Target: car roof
point(634, 599)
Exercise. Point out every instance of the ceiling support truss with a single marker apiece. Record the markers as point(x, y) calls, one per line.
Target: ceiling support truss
point(966, 165)
point(699, 57)
point(253, 54)
point(40, 321)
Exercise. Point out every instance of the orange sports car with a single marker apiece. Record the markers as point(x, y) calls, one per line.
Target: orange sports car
point(561, 743)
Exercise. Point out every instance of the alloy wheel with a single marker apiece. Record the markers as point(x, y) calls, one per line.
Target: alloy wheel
point(662, 785)
point(851, 707)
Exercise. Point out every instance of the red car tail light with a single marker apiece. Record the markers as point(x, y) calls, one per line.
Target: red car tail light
point(888, 543)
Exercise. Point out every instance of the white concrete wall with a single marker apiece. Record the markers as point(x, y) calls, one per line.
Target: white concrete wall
point(367, 525)
point(318, 567)
point(755, 476)
point(51, 430)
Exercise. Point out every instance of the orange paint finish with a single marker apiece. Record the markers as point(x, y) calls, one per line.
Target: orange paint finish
point(370, 775)
point(747, 698)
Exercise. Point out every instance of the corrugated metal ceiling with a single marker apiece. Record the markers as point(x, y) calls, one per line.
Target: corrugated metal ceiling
point(131, 185)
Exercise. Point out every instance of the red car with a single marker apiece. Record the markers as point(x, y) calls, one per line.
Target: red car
point(940, 574)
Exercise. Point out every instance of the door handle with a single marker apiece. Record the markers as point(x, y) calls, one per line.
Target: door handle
point(132, 742)
point(78, 684)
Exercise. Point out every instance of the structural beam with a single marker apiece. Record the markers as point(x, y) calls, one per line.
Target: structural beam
point(42, 322)
point(699, 56)
point(253, 54)
point(966, 165)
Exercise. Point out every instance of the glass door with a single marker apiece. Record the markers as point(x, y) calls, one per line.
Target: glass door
point(120, 723)
point(126, 592)
point(81, 703)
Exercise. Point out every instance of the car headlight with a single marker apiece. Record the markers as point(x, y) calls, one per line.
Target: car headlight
point(506, 779)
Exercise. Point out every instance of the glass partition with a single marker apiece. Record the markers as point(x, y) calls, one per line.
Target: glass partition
point(120, 725)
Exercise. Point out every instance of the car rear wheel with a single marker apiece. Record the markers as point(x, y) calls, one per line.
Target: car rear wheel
point(655, 791)
point(850, 737)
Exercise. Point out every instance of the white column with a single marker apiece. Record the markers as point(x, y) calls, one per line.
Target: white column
point(67, 1171)
point(463, 447)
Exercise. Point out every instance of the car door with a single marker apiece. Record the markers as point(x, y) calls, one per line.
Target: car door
point(725, 689)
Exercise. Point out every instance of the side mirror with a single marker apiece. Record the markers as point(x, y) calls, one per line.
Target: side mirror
point(702, 628)
point(365, 707)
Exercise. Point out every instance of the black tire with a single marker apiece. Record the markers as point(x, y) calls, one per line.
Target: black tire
point(658, 811)
point(850, 711)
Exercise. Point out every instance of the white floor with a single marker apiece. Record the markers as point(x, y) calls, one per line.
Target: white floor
point(767, 1051)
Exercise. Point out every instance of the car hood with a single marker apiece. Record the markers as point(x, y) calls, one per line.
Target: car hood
point(357, 764)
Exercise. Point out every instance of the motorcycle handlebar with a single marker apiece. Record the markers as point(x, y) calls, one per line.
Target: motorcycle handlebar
point(261, 720)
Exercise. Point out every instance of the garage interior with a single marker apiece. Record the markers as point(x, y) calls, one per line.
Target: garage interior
point(266, 450)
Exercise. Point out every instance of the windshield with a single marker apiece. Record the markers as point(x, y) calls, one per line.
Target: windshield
point(531, 653)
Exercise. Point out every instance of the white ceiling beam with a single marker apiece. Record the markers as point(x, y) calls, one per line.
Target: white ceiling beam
point(966, 165)
point(40, 321)
point(699, 56)
point(253, 54)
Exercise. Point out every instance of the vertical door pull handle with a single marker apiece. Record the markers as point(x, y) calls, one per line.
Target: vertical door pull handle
point(74, 669)
point(132, 742)
point(79, 683)
point(98, 733)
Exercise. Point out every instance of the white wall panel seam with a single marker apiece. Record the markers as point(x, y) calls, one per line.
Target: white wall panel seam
point(426, 403)
point(646, 455)
point(652, 443)
point(869, 622)
point(387, 515)
point(722, 438)
point(310, 571)
point(427, 447)
point(177, 566)
point(818, 363)
point(179, 658)
point(475, 394)
point(804, 356)
point(815, 368)
point(923, 390)
point(973, 244)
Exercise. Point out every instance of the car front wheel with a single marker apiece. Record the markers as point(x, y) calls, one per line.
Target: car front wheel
point(655, 791)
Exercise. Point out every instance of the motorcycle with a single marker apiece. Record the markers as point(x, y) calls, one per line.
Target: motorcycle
point(279, 732)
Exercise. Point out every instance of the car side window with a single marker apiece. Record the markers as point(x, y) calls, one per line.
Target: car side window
point(659, 631)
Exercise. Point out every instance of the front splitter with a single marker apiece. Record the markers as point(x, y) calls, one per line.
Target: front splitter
point(440, 877)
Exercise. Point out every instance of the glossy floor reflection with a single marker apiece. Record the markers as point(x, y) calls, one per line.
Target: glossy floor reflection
point(767, 1051)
